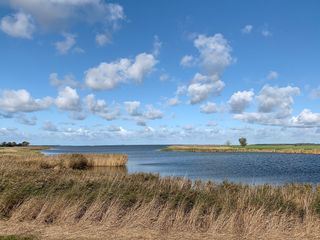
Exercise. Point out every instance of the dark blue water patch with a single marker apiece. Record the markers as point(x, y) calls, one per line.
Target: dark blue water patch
point(252, 168)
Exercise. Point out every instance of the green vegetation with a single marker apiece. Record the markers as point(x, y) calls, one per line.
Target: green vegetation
point(14, 144)
point(276, 148)
point(35, 197)
point(243, 141)
point(17, 237)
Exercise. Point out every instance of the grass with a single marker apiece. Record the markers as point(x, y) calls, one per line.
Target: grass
point(277, 148)
point(42, 201)
point(17, 237)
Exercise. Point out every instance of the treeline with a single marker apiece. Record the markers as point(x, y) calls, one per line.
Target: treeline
point(14, 144)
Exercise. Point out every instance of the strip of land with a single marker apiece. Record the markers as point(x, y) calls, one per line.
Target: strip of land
point(269, 148)
point(40, 202)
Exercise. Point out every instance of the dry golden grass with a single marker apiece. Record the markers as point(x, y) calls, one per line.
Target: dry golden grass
point(299, 149)
point(73, 204)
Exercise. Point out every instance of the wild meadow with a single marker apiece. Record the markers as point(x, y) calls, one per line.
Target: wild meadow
point(64, 201)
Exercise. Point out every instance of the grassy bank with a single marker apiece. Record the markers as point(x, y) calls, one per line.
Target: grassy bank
point(90, 204)
point(286, 148)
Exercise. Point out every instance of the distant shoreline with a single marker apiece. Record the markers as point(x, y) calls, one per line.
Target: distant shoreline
point(276, 148)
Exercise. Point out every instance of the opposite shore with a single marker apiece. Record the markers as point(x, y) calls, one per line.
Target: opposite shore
point(276, 148)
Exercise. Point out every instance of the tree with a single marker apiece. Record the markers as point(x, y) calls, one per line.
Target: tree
point(25, 144)
point(243, 141)
point(228, 143)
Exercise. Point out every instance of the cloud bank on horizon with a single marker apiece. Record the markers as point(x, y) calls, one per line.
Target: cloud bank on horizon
point(100, 72)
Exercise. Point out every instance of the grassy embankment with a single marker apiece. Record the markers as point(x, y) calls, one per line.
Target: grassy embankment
point(276, 148)
point(67, 203)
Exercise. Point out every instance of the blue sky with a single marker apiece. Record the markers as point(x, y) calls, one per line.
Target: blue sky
point(145, 72)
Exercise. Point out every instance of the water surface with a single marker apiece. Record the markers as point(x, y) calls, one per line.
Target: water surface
point(252, 168)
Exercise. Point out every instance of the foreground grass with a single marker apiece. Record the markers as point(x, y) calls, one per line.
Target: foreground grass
point(285, 148)
point(42, 201)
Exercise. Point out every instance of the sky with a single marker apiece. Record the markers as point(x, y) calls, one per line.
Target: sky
point(96, 72)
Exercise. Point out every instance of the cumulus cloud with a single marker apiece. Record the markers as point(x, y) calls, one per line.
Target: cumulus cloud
point(100, 108)
point(187, 61)
point(272, 75)
point(247, 29)
point(68, 80)
point(52, 14)
point(274, 106)
point(64, 46)
point(239, 101)
point(209, 107)
point(18, 25)
point(68, 99)
point(152, 113)
point(214, 57)
point(12, 101)
point(215, 53)
point(202, 86)
point(273, 98)
point(109, 75)
point(307, 118)
point(132, 107)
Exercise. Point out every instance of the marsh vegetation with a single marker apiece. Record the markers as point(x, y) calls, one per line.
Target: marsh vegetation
point(41, 200)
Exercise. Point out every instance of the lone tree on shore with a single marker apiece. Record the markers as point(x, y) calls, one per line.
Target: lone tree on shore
point(243, 141)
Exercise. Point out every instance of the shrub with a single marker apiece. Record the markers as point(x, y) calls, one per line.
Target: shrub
point(77, 161)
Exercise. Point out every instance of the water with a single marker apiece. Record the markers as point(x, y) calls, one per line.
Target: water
point(252, 168)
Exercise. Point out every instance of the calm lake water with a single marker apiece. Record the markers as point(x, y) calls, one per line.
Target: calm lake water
point(252, 168)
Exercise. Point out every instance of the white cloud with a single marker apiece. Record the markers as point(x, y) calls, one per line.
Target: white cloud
point(12, 101)
point(214, 53)
point(247, 29)
point(272, 75)
point(307, 118)
point(64, 46)
point(181, 90)
point(201, 87)
point(53, 14)
point(23, 119)
point(68, 80)
point(152, 113)
point(187, 61)
point(103, 39)
point(68, 99)
point(109, 75)
point(239, 101)
point(277, 98)
point(132, 107)
point(173, 101)
point(100, 108)
point(274, 106)
point(18, 25)
point(157, 44)
point(209, 107)
point(214, 57)
point(50, 127)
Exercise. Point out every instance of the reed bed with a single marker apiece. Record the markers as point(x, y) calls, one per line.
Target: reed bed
point(73, 204)
point(39, 201)
point(291, 149)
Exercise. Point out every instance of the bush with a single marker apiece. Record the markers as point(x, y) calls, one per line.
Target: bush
point(77, 161)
